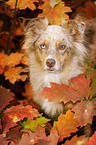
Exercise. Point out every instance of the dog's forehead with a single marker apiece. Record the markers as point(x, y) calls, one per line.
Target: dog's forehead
point(53, 32)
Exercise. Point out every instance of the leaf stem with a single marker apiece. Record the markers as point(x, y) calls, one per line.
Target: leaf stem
point(10, 33)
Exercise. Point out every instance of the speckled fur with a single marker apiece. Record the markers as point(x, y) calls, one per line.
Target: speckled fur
point(69, 62)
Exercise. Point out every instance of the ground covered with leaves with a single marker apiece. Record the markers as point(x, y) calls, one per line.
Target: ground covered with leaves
point(21, 120)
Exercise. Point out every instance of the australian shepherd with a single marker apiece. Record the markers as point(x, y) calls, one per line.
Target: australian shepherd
point(56, 54)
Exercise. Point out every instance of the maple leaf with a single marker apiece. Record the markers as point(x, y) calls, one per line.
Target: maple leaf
point(32, 124)
point(85, 111)
point(14, 134)
point(4, 38)
point(19, 112)
point(39, 137)
point(92, 140)
point(89, 10)
point(55, 14)
point(77, 90)
point(76, 141)
point(7, 122)
point(22, 4)
point(5, 97)
point(13, 74)
point(28, 91)
point(66, 124)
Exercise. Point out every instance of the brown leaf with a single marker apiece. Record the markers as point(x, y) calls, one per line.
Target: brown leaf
point(85, 111)
point(5, 97)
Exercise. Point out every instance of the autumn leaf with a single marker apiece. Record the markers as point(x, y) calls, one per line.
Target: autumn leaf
point(92, 140)
point(85, 111)
point(39, 137)
point(77, 90)
point(5, 97)
point(89, 10)
point(32, 124)
point(19, 112)
point(7, 122)
point(66, 124)
point(4, 38)
point(55, 14)
point(22, 4)
point(15, 134)
point(76, 141)
point(13, 74)
point(8, 65)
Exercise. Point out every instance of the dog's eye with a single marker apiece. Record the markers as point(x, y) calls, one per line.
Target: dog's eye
point(62, 47)
point(42, 46)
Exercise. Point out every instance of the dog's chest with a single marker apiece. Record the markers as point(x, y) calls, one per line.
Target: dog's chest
point(51, 78)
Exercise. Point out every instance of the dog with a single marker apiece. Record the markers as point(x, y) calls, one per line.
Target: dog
point(56, 54)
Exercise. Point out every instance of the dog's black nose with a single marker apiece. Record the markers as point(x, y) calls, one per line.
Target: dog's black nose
point(50, 62)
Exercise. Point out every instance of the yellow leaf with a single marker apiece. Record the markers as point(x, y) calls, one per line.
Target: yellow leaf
point(22, 4)
point(56, 14)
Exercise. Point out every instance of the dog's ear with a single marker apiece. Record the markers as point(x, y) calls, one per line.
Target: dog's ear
point(36, 25)
point(33, 29)
point(73, 27)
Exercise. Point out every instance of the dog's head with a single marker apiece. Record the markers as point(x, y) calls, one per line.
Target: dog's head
point(54, 46)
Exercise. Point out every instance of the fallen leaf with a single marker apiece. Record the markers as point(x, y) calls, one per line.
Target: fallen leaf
point(32, 124)
point(22, 4)
point(5, 97)
point(39, 137)
point(85, 111)
point(89, 10)
point(76, 140)
point(92, 140)
point(4, 38)
point(55, 14)
point(14, 74)
point(19, 112)
point(77, 90)
point(66, 124)
point(7, 122)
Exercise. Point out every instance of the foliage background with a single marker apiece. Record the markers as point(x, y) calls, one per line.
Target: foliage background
point(22, 121)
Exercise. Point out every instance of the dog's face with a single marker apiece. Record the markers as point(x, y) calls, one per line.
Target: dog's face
point(53, 45)
point(53, 49)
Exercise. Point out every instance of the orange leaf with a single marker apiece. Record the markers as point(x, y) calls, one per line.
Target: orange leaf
point(55, 14)
point(12, 60)
point(13, 74)
point(89, 10)
point(77, 90)
point(22, 4)
point(66, 124)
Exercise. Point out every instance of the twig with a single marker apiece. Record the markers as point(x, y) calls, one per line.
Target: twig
point(10, 33)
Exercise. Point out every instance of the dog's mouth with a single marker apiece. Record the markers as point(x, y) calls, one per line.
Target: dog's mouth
point(52, 70)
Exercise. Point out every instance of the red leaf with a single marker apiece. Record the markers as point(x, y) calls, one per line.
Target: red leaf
point(5, 97)
point(77, 90)
point(7, 122)
point(89, 10)
point(19, 112)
